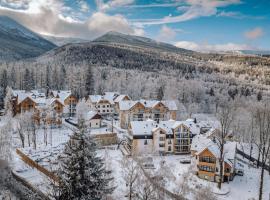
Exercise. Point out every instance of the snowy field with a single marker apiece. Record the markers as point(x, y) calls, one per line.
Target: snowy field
point(177, 177)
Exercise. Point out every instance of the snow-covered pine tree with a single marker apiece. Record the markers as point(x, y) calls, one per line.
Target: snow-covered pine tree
point(89, 82)
point(8, 101)
point(27, 80)
point(82, 173)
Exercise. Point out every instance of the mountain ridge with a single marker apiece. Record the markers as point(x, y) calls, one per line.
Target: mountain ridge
point(18, 42)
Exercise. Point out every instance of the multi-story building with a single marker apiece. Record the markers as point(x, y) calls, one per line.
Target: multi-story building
point(69, 100)
point(106, 104)
point(146, 109)
point(162, 137)
point(47, 109)
point(206, 155)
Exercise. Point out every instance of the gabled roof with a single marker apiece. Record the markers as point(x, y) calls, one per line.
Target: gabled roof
point(120, 98)
point(149, 126)
point(127, 105)
point(98, 98)
point(39, 98)
point(202, 142)
point(63, 95)
point(92, 115)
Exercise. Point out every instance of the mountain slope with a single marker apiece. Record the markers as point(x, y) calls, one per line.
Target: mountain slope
point(119, 38)
point(60, 41)
point(18, 42)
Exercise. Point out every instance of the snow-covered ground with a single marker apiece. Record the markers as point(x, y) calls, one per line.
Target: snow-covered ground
point(176, 176)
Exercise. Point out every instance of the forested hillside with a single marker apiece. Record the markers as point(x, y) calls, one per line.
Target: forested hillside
point(196, 80)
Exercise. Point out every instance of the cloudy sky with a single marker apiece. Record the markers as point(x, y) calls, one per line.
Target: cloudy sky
point(193, 24)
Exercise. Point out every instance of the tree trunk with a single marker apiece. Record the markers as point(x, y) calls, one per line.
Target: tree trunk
point(130, 191)
point(28, 137)
point(258, 159)
point(221, 166)
point(261, 183)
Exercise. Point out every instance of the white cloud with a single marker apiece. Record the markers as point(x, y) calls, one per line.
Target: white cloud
point(195, 9)
point(166, 34)
point(205, 47)
point(48, 17)
point(84, 7)
point(112, 4)
point(254, 33)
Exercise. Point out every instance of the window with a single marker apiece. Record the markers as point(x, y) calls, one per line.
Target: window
point(169, 148)
point(208, 159)
point(206, 168)
point(103, 106)
point(170, 141)
point(107, 110)
point(161, 138)
point(98, 106)
point(145, 142)
point(162, 145)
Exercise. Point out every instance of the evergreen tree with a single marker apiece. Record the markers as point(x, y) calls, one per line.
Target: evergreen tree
point(4, 79)
point(89, 82)
point(27, 80)
point(212, 92)
point(32, 80)
point(259, 96)
point(13, 77)
point(8, 101)
point(83, 174)
point(62, 77)
point(160, 93)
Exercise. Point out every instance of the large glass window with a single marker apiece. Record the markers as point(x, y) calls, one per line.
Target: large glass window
point(207, 159)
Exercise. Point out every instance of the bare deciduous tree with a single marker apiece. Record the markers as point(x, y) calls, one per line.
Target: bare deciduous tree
point(261, 115)
point(130, 170)
point(225, 117)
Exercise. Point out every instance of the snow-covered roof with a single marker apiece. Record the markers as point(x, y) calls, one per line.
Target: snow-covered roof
point(91, 114)
point(38, 97)
point(120, 98)
point(149, 126)
point(97, 98)
point(193, 127)
point(127, 105)
point(63, 95)
point(203, 141)
point(170, 104)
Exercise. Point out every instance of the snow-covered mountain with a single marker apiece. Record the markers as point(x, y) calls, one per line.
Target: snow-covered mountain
point(18, 42)
point(60, 41)
point(120, 38)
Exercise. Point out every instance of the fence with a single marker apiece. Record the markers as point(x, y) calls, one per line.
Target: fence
point(266, 167)
point(34, 164)
point(29, 186)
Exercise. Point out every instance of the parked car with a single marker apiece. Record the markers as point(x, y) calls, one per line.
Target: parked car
point(239, 172)
point(185, 161)
point(148, 166)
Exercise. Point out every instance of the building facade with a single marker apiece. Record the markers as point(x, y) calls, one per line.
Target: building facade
point(163, 137)
point(206, 156)
point(144, 109)
point(47, 110)
point(107, 104)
